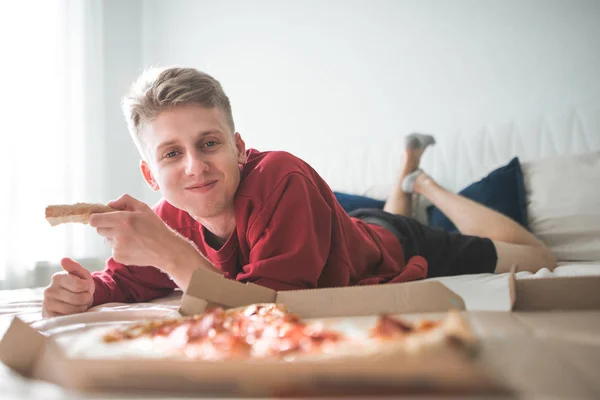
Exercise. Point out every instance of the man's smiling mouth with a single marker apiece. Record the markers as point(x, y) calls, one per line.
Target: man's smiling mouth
point(202, 187)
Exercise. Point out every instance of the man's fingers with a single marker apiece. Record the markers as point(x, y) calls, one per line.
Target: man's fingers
point(68, 297)
point(110, 219)
point(127, 203)
point(75, 284)
point(118, 219)
point(72, 283)
point(108, 233)
point(68, 293)
point(74, 268)
point(54, 307)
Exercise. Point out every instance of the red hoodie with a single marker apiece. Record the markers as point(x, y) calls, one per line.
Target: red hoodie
point(291, 233)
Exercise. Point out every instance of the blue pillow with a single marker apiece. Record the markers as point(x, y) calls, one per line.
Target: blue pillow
point(352, 202)
point(502, 190)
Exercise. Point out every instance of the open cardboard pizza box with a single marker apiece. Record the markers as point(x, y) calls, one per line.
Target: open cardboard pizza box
point(38, 356)
point(531, 347)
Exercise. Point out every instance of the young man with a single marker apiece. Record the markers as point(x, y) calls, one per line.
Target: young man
point(266, 217)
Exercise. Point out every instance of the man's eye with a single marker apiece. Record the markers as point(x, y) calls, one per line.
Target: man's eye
point(171, 154)
point(210, 143)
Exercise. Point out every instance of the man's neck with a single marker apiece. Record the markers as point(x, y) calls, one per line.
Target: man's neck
point(220, 226)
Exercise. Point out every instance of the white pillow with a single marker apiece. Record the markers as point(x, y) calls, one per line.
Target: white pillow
point(563, 204)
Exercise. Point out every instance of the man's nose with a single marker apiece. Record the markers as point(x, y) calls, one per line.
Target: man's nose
point(195, 165)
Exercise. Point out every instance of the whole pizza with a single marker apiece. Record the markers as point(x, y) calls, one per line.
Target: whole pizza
point(269, 331)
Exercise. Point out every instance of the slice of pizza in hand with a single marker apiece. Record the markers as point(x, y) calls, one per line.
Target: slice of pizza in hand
point(79, 212)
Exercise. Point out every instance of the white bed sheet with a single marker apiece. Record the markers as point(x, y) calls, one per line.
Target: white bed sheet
point(483, 292)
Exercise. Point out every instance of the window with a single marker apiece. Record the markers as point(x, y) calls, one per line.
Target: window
point(47, 81)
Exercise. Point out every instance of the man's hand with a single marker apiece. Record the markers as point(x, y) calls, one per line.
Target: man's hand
point(71, 291)
point(139, 237)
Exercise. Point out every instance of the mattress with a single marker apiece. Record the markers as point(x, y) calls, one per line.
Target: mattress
point(482, 292)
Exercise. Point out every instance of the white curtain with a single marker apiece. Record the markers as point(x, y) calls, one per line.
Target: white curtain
point(51, 133)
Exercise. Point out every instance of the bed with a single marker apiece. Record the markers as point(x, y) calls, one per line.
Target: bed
point(486, 292)
point(569, 224)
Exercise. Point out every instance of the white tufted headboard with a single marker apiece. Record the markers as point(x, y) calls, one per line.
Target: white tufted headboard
point(460, 156)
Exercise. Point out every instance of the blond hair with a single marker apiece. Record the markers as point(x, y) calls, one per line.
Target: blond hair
point(160, 89)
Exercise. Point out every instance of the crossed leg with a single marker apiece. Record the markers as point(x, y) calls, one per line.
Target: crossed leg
point(400, 202)
point(513, 243)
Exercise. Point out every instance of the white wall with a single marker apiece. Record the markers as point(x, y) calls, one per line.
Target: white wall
point(122, 59)
point(304, 75)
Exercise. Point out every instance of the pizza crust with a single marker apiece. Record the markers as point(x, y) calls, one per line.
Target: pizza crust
point(79, 212)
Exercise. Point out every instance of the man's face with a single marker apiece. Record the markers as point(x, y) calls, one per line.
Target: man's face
point(193, 159)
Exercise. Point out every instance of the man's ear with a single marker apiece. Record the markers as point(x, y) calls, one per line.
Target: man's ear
point(148, 177)
point(241, 148)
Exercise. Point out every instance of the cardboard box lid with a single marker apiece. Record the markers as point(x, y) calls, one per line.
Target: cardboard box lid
point(545, 294)
point(207, 287)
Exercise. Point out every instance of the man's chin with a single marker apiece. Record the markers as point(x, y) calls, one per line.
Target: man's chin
point(210, 211)
point(203, 206)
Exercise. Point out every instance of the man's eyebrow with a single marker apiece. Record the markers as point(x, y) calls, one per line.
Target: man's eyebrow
point(165, 144)
point(199, 136)
point(208, 132)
